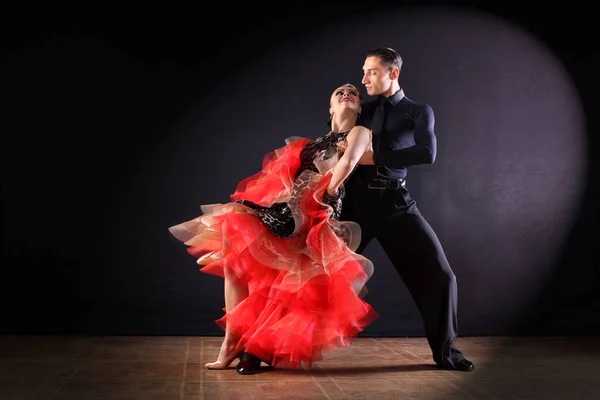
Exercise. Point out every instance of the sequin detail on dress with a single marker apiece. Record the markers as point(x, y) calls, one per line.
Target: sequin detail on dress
point(278, 217)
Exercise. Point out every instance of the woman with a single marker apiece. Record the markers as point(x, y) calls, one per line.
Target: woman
point(293, 283)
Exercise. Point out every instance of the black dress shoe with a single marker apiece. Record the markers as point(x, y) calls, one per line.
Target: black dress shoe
point(248, 364)
point(465, 365)
point(461, 365)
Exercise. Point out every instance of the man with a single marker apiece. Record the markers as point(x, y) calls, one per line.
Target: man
point(377, 199)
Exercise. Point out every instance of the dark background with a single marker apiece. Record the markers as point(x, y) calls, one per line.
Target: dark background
point(117, 124)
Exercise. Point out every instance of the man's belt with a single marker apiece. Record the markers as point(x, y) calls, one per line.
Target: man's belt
point(384, 184)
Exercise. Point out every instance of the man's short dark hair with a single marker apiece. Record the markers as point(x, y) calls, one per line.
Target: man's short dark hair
point(388, 56)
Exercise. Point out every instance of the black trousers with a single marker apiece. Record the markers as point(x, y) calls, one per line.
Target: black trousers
point(391, 216)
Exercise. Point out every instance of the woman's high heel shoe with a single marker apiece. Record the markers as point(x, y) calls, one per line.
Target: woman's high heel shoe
point(224, 364)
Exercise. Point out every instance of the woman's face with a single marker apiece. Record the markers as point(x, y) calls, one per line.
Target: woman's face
point(345, 97)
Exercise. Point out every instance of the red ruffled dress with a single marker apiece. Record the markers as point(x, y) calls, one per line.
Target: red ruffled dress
point(280, 238)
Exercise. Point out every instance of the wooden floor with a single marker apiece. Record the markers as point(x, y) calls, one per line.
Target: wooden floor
point(149, 368)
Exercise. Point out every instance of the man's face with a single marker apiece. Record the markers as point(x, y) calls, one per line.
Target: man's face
point(377, 77)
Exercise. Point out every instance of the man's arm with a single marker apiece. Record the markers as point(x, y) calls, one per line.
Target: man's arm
point(422, 152)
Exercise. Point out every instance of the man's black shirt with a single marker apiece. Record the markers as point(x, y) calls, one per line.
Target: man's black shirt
point(406, 138)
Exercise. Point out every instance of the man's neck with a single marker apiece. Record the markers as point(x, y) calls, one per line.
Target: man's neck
point(392, 90)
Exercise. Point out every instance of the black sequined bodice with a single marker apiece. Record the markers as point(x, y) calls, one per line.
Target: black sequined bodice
point(278, 217)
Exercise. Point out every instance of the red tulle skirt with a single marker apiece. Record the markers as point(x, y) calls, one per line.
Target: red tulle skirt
point(304, 291)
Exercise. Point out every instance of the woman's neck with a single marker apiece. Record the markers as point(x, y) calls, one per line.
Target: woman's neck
point(343, 126)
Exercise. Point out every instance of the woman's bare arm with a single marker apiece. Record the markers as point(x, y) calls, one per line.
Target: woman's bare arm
point(358, 141)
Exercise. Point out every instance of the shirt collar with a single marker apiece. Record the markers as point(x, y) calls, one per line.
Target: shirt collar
point(393, 99)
